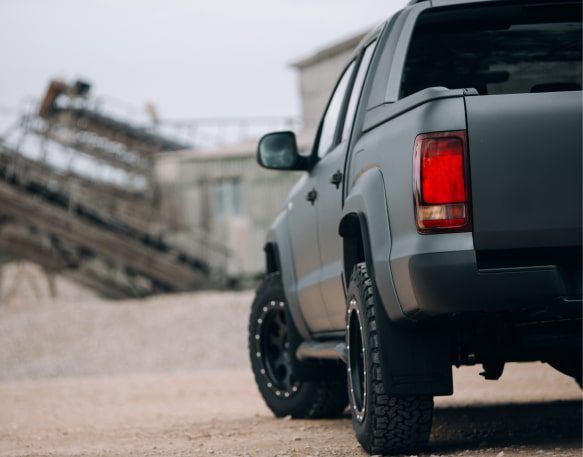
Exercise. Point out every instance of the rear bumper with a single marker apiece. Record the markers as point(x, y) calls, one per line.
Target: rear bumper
point(456, 282)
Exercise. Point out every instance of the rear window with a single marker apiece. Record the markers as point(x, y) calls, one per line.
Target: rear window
point(496, 50)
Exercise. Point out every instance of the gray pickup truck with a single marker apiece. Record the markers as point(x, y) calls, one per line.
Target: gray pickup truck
point(436, 222)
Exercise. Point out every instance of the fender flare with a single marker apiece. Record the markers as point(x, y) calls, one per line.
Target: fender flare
point(367, 203)
point(278, 239)
point(416, 360)
point(308, 370)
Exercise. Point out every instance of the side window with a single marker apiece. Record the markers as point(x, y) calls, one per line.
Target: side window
point(333, 112)
point(357, 89)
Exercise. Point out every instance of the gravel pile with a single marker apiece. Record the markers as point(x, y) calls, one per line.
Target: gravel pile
point(79, 334)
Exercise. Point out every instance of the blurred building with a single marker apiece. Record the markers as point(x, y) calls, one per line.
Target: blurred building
point(220, 203)
point(318, 74)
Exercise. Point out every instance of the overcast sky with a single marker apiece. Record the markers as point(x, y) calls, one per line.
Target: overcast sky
point(191, 58)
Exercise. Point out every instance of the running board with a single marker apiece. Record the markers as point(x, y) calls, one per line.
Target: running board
point(323, 350)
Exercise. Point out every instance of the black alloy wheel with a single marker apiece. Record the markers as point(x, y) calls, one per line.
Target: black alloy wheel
point(273, 366)
point(272, 349)
point(356, 362)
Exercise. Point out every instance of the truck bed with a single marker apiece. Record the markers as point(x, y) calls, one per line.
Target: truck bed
point(525, 165)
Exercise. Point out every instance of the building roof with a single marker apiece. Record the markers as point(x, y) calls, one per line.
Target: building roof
point(233, 151)
point(330, 51)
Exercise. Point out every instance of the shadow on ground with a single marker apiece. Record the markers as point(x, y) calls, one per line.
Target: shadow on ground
point(555, 424)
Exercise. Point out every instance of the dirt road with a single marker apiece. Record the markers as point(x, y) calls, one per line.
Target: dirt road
point(533, 411)
point(169, 377)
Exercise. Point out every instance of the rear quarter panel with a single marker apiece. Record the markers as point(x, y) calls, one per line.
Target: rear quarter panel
point(389, 148)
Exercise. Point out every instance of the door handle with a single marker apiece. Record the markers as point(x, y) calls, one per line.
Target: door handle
point(336, 178)
point(311, 196)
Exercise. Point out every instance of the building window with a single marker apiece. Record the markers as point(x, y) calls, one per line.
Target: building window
point(228, 197)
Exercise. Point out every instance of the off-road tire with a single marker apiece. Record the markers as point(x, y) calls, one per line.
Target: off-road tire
point(383, 424)
point(285, 395)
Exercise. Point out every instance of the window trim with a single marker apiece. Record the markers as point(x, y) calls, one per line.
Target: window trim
point(375, 89)
point(356, 58)
point(341, 113)
point(409, 17)
point(374, 42)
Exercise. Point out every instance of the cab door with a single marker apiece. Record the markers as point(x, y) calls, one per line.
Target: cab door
point(308, 198)
point(329, 175)
point(303, 230)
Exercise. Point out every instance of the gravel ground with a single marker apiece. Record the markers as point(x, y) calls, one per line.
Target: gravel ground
point(532, 411)
point(168, 376)
point(73, 337)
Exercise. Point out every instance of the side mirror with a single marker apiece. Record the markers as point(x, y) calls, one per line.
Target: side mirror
point(279, 151)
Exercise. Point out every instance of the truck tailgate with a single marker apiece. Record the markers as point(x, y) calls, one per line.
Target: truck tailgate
point(525, 170)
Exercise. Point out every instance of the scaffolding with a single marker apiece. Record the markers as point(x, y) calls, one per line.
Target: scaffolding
point(78, 197)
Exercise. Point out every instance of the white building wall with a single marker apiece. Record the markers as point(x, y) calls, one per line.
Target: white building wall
point(229, 242)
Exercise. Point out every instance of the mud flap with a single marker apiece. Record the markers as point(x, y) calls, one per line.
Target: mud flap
point(414, 361)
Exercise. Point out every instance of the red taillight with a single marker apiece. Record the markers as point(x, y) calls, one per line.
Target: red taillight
point(441, 192)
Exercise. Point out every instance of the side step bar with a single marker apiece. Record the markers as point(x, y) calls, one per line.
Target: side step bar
point(323, 350)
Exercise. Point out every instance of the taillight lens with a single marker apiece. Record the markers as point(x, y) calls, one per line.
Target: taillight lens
point(440, 181)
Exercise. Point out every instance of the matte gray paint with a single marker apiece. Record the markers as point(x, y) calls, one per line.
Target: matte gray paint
point(389, 147)
point(409, 18)
point(405, 261)
point(525, 159)
point(328, 207)
point(387, 111)
point(382, 62)
point(367, 197)
point(450, 282)
point(278, 234)
point(302, 228)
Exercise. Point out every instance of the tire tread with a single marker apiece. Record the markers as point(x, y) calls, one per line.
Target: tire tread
point(397, 424)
